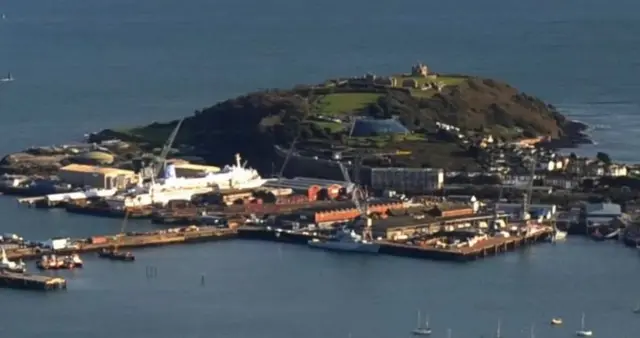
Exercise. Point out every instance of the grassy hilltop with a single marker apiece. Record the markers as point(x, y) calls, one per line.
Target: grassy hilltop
point(321, 116)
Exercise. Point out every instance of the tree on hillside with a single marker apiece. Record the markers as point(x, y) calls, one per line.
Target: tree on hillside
point(604, 158)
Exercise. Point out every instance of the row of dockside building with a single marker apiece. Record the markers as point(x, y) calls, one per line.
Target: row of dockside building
point(407, 180)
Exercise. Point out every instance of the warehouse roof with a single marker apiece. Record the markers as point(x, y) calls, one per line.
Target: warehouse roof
point(192, 166)
point(82, 168)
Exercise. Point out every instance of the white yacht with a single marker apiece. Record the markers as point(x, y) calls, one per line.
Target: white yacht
point(8, 265)
point(346, 240)
point(9, 78)
point(583, 332)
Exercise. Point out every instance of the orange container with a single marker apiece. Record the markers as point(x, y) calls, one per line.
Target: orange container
point(98, 240)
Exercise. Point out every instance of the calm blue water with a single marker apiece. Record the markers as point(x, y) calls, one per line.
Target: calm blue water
point(84, 65)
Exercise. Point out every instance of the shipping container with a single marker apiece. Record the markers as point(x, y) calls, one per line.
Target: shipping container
point(98, 240)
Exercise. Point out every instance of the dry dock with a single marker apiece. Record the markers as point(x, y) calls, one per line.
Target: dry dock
point(31, 282)
point(202, 234)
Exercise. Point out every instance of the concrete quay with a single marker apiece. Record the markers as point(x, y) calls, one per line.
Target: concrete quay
point(491, 246)
point(190, 235)
point(31, 282)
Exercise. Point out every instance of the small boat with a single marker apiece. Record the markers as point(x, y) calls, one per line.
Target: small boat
point(116, 255)
point(422, 330)
point(637, 309)
point(558, 235)
point(75, 260)
point(9, 78)
point(597, 235)
point(583, 332)
point(113, 253)
point(556, 321)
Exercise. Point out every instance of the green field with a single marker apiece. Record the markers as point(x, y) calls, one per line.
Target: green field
point(344, 103)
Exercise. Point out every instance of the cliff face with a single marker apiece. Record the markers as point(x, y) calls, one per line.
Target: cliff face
point(251, 124)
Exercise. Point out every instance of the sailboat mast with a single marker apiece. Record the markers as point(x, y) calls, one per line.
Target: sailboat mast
point(532, 334)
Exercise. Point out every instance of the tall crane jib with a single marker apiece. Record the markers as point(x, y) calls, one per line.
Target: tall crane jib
point(162, 159)
point(360, 201)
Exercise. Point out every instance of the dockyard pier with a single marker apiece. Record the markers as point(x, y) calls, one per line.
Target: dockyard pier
point(31, 282)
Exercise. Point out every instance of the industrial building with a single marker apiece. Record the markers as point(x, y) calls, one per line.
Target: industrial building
point(186, 169)
point(82, 175)
point(403, 227)
point(407, 180)
point(313, 188)
point(535, 210)
point(601, 213)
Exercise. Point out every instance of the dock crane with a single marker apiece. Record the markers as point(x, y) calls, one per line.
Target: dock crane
point(161, 162)
point(360, 201)
point(292, 147)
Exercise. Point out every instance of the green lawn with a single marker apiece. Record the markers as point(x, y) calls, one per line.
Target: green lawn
point(333, 126)
point(344, 103)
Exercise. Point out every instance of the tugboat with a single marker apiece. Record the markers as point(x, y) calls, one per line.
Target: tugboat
point(113, 253)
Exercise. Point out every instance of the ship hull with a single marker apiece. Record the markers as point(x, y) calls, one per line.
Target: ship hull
point(345, 247)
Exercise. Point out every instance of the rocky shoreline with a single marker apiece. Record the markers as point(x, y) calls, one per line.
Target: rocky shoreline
point(575, 135)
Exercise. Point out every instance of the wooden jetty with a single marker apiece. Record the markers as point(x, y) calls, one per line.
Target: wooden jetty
point(31, 282)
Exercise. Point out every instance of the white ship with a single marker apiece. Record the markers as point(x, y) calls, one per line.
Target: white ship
point(346, 240)
point(182, 188)
point(8, 265)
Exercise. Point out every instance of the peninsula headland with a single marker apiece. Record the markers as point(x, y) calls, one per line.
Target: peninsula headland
point(402, 112)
